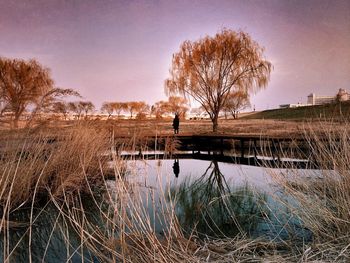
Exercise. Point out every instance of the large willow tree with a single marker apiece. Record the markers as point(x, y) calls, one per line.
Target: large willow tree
point(209, 69)
point(27, 83)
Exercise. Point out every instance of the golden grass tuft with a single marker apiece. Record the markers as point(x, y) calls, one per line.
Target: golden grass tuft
point(33, 164)
point(322, 199)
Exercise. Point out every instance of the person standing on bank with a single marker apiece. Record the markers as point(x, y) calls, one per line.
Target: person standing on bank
point(176, 124)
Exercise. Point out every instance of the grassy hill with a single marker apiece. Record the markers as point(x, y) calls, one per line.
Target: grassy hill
point(328, 111)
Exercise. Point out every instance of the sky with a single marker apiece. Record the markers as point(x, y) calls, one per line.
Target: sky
point(122, 50)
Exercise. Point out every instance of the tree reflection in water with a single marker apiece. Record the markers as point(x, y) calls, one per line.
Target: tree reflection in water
point(214, 208)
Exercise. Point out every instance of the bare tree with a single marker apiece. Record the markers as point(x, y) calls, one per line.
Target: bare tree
point(136, 107)
point(76, 108)
point(141, 109)
point(209, 69)
point(27, 83)
point(174, 105)
point(108, 107)
point(119, 107)
point(87, 107)
point(21, 84)
point(46, 102)
point(236, 101)
point(160, 108)
point(61, 108)
point(130, 107)
point(178, 105)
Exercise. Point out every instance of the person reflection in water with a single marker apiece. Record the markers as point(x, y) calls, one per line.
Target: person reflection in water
point(176, 168)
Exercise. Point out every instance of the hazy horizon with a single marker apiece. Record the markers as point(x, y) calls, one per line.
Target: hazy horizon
point(122, 50)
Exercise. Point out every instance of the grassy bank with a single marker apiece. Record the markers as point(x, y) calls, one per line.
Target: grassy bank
point(332, 112)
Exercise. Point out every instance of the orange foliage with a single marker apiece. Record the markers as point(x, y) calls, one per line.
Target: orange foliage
point(209, 69)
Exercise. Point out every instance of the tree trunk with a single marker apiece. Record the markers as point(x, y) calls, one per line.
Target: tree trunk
point(15, 121)
point(215, 123)
point(17, 114)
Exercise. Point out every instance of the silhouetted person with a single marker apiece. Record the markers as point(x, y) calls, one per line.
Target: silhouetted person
point(176, 123)
point(176, 168)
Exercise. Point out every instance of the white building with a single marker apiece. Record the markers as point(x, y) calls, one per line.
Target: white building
point(292, 105)
point(313, 99)
point(197, 114)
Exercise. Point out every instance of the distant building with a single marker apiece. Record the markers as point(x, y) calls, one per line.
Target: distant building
point(286, 106)
point(313, 99)
point(197, 114)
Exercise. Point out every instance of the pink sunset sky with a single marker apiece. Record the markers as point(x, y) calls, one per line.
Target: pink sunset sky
point(122, 50)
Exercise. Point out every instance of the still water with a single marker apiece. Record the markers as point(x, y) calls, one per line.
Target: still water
point(218, 199)
point(209, 199)
point(50, 238)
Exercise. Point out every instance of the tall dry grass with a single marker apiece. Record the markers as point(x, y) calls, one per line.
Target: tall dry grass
point(322, 197)
point(107, 221)
point(55, 200)
point(33, 164)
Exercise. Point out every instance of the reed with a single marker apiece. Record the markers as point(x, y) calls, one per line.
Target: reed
point(61, 180)
point(321, 198)
point(32, 163)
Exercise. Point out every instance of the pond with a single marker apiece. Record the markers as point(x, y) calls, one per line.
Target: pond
point(217, 199)
point(205, 198)
point(50, 238)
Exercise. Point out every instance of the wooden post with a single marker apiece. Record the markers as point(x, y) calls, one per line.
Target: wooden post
point(278, 149)
point(242, 148)
point(222, 146)
point(255, 150)
point(275, 154)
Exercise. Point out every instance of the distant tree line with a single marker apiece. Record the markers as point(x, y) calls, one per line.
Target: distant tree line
point(78, 108)
point(27, 90)
point(140, 109)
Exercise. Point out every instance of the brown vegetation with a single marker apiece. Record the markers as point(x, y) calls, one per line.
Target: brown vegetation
point(64, 166)
point(322, 201)
point(236, 101)
point(42, 163)
point(209, 69)
point(27, 83)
